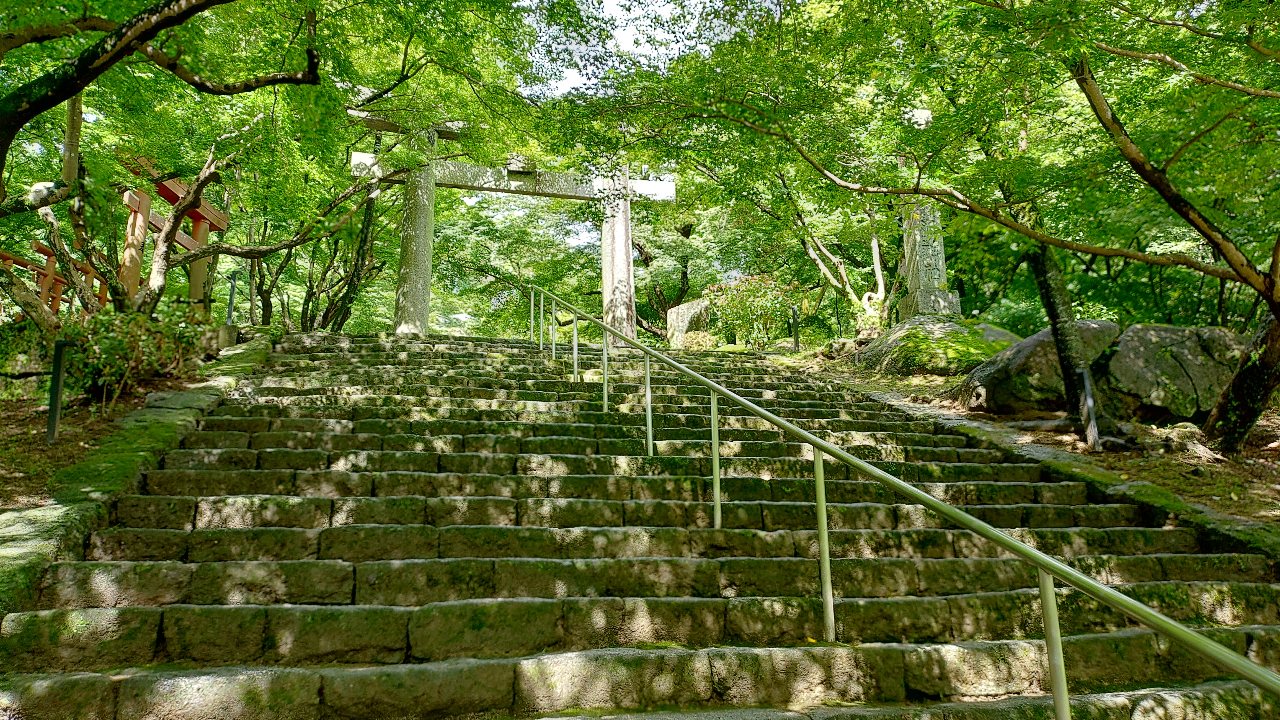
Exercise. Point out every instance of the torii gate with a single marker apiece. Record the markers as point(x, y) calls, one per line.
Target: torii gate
point(413, 287)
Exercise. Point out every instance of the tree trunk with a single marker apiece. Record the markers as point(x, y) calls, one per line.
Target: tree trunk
point(1066, 335)
point(1246, 397)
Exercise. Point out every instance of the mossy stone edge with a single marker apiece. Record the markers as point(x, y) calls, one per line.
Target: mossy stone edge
point(1220, 531)
point(31, 539)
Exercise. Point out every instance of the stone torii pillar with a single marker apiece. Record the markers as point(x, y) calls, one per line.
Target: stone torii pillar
point(417, 246)
point(617, 272)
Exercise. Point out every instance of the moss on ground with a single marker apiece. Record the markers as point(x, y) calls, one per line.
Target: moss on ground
point(31, 538)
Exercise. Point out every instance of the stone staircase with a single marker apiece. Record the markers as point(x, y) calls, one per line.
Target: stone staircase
point(376, 529)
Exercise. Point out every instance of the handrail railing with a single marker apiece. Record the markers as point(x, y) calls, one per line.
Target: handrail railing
point(1049, 567)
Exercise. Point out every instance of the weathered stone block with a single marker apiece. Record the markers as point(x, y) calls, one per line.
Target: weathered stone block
point(309, 635)
point(485, 628)
point(230, 694)
point(214, 634)
point(452, 687)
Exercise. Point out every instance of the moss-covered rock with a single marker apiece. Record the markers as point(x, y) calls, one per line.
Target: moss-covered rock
point(929, 344)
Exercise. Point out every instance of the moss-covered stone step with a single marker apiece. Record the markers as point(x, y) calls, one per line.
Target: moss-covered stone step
point(557, 464)
point(100, 638)
point(440, 404)
point(344, 483)
point(79, 584)
point(1211, 700)
point(449, 377)
point(573, 444)
point(363, 542)
point(412, 414)
point(614, 679)
point(246, 511)
point(254, 425)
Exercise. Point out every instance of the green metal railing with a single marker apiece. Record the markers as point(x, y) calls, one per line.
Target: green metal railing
point(1049, 568)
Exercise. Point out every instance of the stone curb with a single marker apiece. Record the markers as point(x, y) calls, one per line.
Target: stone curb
point(31, 539)
point(1224, 532)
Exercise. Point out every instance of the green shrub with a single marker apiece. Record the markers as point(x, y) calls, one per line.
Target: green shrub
point(700, 340)
point(112, 352)
point(752, 308)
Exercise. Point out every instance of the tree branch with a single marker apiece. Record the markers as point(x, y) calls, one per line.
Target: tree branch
point(309, 76)
point(1202, 32)
point(1156, 178)
point(15, 39)
point(303, 236)
point(959, 201)
point(1177, 154)
point(1166, 60)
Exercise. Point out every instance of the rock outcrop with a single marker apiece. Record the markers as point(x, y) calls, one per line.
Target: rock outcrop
point(1148, 372)
point(1157, 371)
point(683, 319)
point(1027, 376)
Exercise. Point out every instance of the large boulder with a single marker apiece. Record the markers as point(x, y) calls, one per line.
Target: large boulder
point(683, 319)
point(1027, 375)
point(928, 344)
point(1163, 371)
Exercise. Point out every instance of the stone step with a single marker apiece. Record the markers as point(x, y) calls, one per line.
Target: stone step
point(336, 483)
point(79, 584)
point(567, 444)
point(429, 415)
point(410, 381)
point(98, 638)
point(177, 512)
point(552, 404)
point(514, 429)
point(362, 542)
point(552, 465)
point(1212, 700)
point(633, 678)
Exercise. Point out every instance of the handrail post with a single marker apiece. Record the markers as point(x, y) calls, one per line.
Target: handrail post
point(648, 410)
point(604, 370)
point(1053, 644)
point(542, 316)
point(824, 547)
point(575, 347)
point(531, 313)
point(55, 389)
point(552, 326)
point(715, 461)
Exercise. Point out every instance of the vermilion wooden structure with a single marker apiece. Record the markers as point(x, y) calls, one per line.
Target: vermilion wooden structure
point(52, 285)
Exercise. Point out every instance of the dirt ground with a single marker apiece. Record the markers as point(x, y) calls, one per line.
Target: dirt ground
point(28, 463)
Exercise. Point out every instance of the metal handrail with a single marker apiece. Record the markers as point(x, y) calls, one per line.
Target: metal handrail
point(1048, 566)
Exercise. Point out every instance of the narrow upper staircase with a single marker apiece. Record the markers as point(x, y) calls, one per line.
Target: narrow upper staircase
point(387, 528)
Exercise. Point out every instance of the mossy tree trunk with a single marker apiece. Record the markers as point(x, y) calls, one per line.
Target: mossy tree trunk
point(1243, 400)
point(1062, 322)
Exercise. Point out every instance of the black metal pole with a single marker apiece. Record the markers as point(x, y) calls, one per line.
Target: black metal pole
point(795, 328)
point(55, 390)
point(231, 297)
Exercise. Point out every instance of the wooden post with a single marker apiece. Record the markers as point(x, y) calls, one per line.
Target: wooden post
point(47, 283)
point(199, 270)
point(135, 239)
